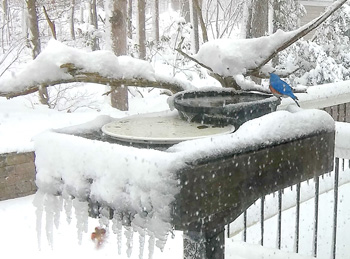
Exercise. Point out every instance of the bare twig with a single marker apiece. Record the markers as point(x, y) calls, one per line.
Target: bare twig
point(51, 24)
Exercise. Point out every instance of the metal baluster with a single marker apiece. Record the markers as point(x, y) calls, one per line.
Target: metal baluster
point(245, 226)
point(317, 185)
point(279, 228)
point(262, 220)
point(228, 230)
point(335, 212)
point(297, 219)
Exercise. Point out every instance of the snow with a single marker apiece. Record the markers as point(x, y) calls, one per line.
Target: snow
point(234, 57)
point(231, 57)
point(141, 182)
point(46, 67)
point(19, 215)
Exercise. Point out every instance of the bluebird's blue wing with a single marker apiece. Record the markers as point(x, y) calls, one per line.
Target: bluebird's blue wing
point(281, 88)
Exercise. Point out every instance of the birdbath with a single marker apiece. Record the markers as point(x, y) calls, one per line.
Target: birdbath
point(160, 129)
point(223, 107)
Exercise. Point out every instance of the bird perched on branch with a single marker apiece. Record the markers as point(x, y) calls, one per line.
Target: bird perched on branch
point(279, 88)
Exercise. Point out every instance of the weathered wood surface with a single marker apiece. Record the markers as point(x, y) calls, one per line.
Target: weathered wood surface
point(215, 191)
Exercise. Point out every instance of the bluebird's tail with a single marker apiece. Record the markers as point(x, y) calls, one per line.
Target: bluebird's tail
point(295, 100)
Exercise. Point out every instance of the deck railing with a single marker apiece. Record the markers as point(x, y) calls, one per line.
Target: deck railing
point(256, 215)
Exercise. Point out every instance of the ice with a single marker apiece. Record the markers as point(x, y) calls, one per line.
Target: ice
point(151, 243)
point(68, 204)
point(81, 213)
point(104, 216)
point(49, 205)
point(117, 228)
point(38, 203)
point(129, 234)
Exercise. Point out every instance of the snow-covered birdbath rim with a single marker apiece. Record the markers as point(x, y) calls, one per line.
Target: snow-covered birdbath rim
point(222, 107)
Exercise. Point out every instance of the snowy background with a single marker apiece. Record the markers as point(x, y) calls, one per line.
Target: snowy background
point(23, 119)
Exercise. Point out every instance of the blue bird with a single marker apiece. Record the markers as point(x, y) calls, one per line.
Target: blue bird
point(279, 88)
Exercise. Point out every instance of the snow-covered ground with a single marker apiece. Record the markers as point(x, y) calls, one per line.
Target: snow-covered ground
point(19, 240)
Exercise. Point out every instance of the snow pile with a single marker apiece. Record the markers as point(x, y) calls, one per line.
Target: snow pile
point(230, 57)
point(46, 67)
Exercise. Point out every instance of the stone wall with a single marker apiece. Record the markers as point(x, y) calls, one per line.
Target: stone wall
point(17, 175)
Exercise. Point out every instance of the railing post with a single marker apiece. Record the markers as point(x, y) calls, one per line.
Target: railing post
point(262, 218)
point(335, 212)
point(317, 186)
point(279, 222)
point(297, 219)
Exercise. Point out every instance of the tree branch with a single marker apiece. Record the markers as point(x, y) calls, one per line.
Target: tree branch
point(78, 75)
point(303, 31)
point(51, 24)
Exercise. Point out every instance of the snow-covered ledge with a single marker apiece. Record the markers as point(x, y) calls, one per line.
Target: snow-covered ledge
point(141, 184)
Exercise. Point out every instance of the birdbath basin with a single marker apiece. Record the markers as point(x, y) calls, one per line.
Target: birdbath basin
point(160, 128)
point(223, 107)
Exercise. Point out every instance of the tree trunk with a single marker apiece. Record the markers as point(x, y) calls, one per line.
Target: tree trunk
point(93, 22)
point(33, 35)
point(197, 6)
point(72, 30)
point(185, 12)
point(155, 22)
point(195, 31)
point(130, 19)
point(34, 42)
point(118, 21)
point(257, 24)
point(175, 4)
point(141, 5)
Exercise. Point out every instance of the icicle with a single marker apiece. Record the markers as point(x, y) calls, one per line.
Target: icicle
point(81, 214)
point(117, 228)
point(104, 216)
point(49, 204)
point(142, 244)
point(57, 210)
point(151, 243)
point(38, 203)
point(68, 203)
point(129, 240)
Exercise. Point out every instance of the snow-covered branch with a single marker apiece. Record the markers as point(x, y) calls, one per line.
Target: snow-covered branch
point(60, 64)
point(228, 58)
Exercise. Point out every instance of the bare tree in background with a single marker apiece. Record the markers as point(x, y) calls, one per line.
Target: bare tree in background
point(155, 20)
point(93, 22)
point(34, 42)
point(130, 19)
point(33, 34)
point(118, 21)
point(71, 17)
point(195, 30)
point(257, 23)
point(141, 6)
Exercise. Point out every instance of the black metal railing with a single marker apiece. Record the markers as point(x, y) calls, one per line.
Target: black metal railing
point(340, 113)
